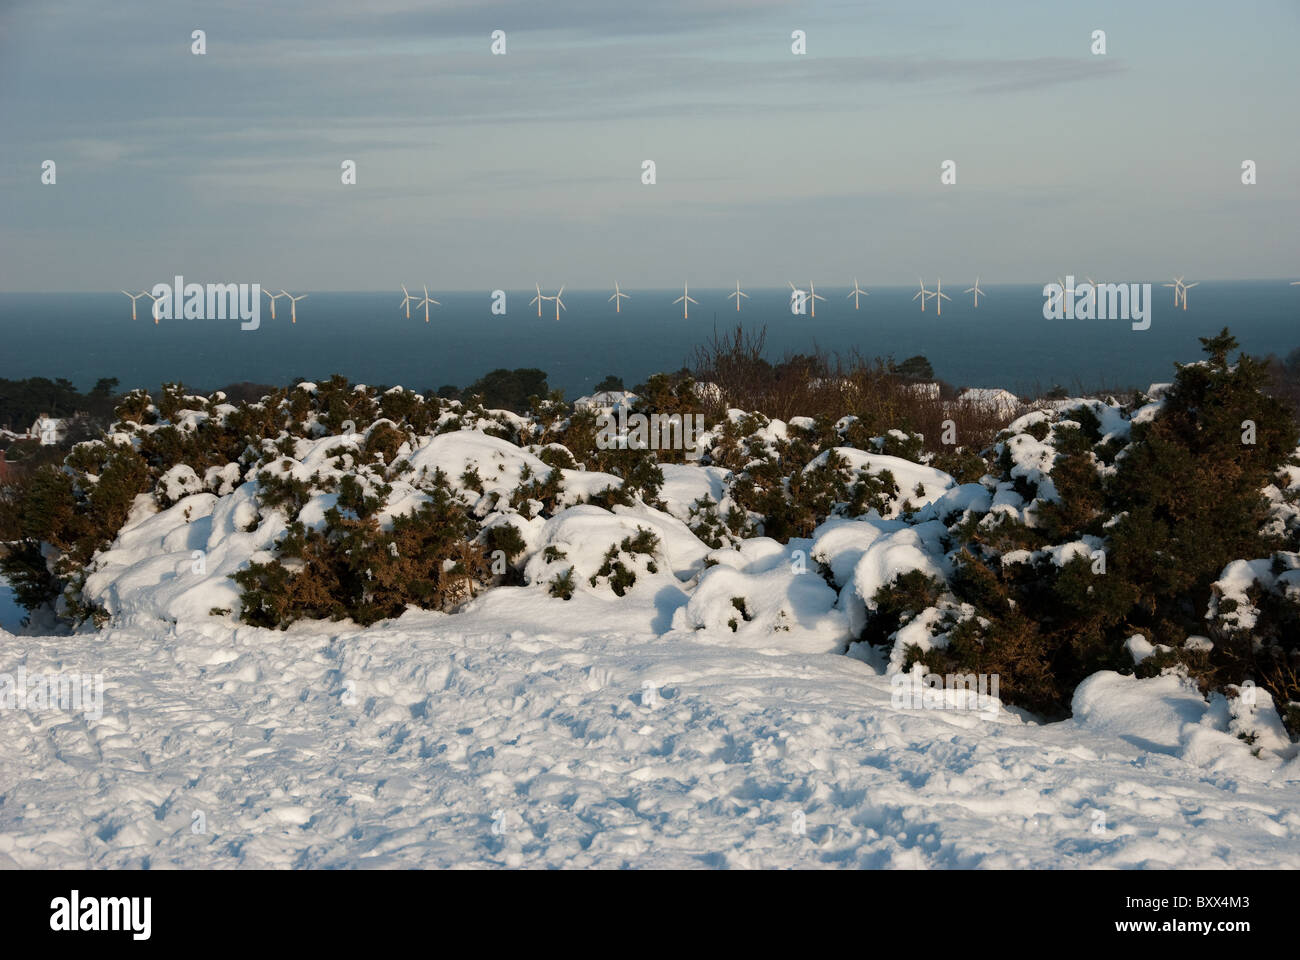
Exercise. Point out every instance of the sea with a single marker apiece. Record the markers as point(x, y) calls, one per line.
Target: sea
point(368, 338)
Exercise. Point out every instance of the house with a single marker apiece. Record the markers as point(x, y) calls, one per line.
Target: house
point(606, 401)
point(50, 431)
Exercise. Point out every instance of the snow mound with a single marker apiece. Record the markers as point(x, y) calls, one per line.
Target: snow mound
point(762, 596)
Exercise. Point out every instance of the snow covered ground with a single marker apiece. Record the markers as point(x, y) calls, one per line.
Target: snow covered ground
point(707, 716)
point(529, 731)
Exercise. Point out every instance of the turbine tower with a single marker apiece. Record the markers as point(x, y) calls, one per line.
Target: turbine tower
point(1186, 287)
point(738, 294)
point(686, 300)
point(975, 290)
point(939, 298)
point(273, 297)
point(134, 297)
point(857, 292)
point(407, 300)
point(616, 297)
point(538, 299)
point(425, 303)
point(559, 304)
point(293, 305)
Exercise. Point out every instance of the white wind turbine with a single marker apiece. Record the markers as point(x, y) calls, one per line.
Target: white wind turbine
point(922, 293)
point(559, 304)
point(686, 300)
point(273, 297)
point(538, 299)
point(154, 309)
point(738, 294)
point(1093, 296)
point(1186, 287)
point(616, 297)
point(407, 300)
point(1059, 296)
point(811, 298)
point(1178, 289)
point(939, 298)
point(425, 303)
point(293, 305)
point(857, 292)
point(975, 290)
point(134, 297)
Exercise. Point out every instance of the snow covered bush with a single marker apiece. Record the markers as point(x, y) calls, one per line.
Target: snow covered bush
point(1156, 536)
point(1109, 520)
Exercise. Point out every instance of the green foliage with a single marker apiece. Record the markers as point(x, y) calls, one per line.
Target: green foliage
point(562, 585)
point(509, 389)
point(1180, 500)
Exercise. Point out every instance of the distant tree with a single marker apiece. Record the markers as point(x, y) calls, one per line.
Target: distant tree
point(509, 389)
point(913, 368)
point(448, 392)
point(611, 383)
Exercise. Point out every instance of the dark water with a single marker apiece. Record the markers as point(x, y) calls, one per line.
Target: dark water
point(365, 336)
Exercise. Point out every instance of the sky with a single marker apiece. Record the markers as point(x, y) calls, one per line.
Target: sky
point(476, 171)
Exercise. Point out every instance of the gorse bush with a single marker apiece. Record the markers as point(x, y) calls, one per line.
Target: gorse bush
point(1130, 537)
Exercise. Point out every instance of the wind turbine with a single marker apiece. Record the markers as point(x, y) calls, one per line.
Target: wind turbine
point(1059, 296)
point(615, 297)
point(407, 300)
point(686, 300)
point(134, 297)
point(922, 293)
point(273, 297)
point(738, 294)
point(293, 305)
point(857, 292)
point(811, 299)
point(559, 304)
point(975, 290)
point(154, 310)
point(1178, 289)
point(1094, 284)
point(538, 299)
point(1186, 287)
point(425, 303)
point(939, 298)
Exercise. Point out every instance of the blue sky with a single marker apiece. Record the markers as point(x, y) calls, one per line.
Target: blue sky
point(477, 172)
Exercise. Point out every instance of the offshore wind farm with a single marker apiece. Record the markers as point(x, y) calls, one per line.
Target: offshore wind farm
point(1003, 342)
